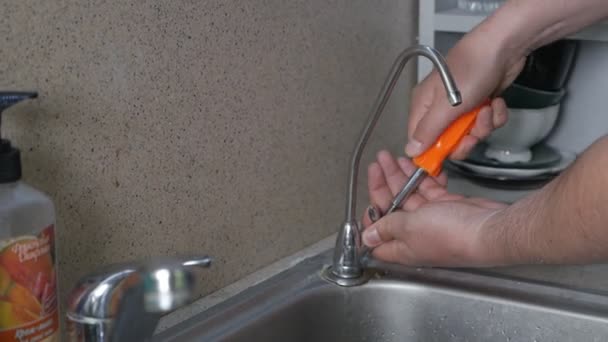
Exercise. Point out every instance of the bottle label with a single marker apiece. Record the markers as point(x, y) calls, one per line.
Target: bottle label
point(28, 291)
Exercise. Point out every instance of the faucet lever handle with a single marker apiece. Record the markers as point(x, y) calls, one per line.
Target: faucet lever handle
point(203, 262)
point(169, 283)
point(124, 302)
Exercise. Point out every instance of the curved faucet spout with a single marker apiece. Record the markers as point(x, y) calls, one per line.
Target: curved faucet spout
point(347, 264)
point(451, 89)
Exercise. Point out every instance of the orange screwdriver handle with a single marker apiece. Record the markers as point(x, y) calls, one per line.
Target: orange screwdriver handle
point(432, 159)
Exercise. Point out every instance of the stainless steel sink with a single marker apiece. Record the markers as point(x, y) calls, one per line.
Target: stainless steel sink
point(400, 304)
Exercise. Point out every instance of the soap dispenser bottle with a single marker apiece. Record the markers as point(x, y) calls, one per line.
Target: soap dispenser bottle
point(28, 290)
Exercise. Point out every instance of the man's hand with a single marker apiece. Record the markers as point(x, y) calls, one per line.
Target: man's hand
point(481, 71)
point(435, 228)
point(486, 60)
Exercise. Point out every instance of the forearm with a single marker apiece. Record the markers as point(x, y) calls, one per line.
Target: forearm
point(521, 26)
point(566, 222)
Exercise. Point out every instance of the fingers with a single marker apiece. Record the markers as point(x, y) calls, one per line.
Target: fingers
point(389, 240)
point(442, 179)
point(386, 178)
point(429, 189)
point(396, 179)
point(500, 112)
point(394, 252)
point(483, 124)
point(431, 124)
point(465, 147)
point(397, 173)
point(430, 115)
point(379, 193)
point(489, 118)
point(371, 215)
point(420, 104)
point(386, 229)
point(366, 220)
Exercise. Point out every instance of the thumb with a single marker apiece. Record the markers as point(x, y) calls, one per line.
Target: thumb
point(431, 125)
point(386, 229)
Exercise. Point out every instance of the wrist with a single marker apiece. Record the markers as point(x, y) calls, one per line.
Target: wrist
point(493, 244)
point(506, 34)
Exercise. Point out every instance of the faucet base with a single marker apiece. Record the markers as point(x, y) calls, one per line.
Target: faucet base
point(328, 275)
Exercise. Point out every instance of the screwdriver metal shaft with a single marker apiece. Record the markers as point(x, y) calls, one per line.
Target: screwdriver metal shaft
point(430, 161)
point(410, 186)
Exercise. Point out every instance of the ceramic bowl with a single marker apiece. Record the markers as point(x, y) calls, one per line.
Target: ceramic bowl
point(524, 128)
point(549, 67)
point(519, 96)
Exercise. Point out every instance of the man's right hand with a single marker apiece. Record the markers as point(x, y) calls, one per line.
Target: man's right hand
point(481, 70)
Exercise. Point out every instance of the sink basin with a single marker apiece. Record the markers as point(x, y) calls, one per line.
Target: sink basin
point(399, 304)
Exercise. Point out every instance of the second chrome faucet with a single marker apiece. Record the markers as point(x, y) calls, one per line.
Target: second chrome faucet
point(125, 302)
point(347, 269)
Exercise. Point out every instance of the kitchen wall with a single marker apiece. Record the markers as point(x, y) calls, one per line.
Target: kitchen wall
point(219, 127)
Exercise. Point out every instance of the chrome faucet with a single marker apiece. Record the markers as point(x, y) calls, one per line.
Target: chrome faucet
point(347, 269)
point(125, 302)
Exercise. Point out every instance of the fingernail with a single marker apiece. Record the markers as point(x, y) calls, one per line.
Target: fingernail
point(371, 238)
point(413, 148)
point(373, 213)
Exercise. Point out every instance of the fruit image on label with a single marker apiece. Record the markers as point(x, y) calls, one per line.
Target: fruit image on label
point(28, 299)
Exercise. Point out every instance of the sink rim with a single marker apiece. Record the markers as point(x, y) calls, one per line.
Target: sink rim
point(295, 282)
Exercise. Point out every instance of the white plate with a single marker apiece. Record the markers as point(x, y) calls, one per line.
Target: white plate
point(566, 160)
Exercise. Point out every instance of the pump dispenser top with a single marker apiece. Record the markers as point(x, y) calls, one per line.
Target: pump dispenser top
point(10, 159)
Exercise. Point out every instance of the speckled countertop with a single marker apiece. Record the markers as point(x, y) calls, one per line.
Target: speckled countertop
point(588, 277)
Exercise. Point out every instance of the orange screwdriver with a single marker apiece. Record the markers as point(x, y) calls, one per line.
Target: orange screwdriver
point(430, 162)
